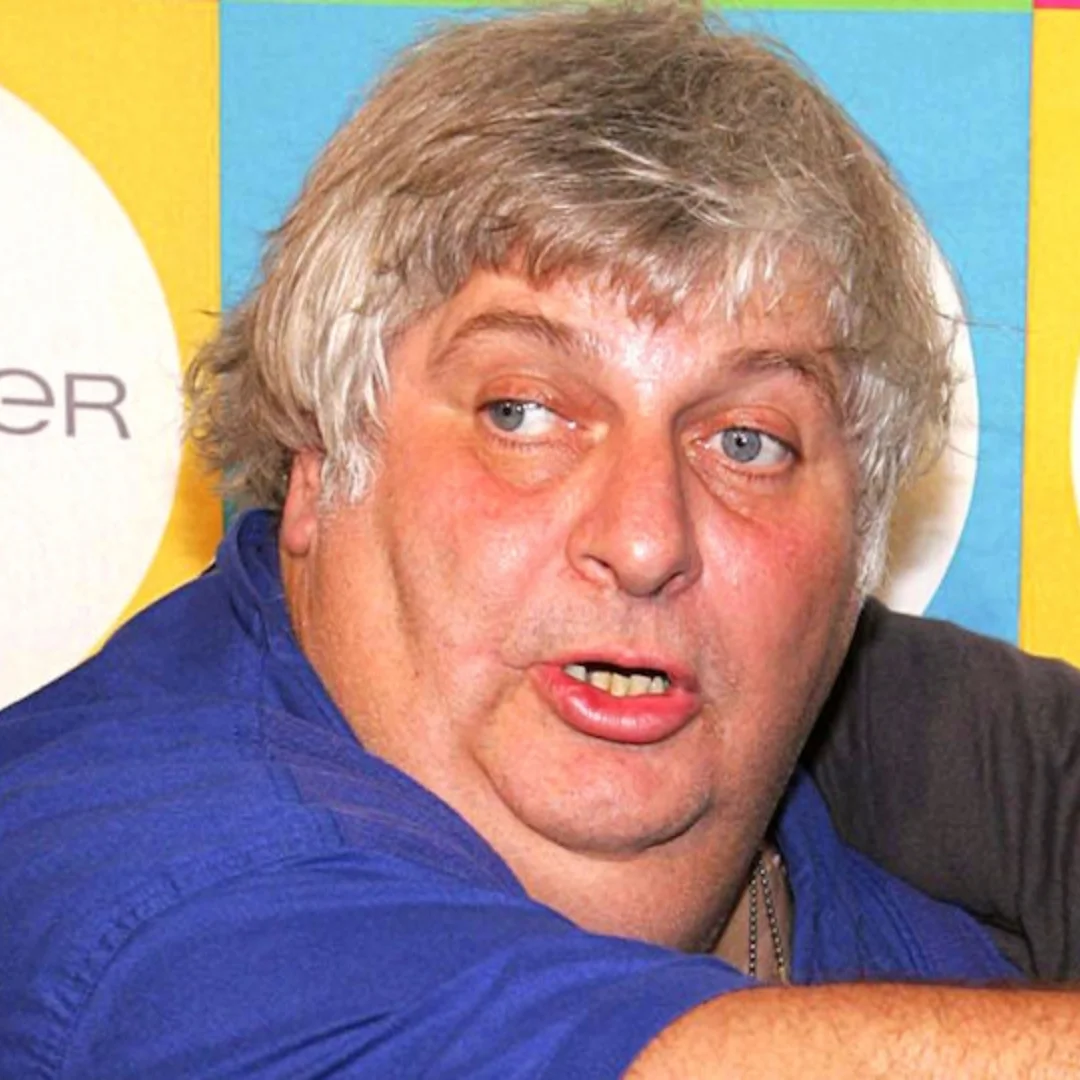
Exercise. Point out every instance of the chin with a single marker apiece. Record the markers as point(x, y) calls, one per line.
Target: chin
point(662, 878)
point(607, 819)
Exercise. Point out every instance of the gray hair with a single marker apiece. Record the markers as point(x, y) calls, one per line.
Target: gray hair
point(643, 144)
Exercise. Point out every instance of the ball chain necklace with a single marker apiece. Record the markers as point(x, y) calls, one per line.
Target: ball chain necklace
point(759, 879)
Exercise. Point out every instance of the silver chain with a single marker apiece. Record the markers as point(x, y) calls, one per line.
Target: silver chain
point(758, 874)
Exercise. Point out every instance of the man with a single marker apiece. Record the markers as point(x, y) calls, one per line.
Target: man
point(581, 383)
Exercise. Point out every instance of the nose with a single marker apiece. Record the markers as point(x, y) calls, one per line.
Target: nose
point(636, 531)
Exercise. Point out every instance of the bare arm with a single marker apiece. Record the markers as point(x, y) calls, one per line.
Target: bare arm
point(896, 1031)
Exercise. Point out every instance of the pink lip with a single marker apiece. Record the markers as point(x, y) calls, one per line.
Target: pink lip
point(649, 718)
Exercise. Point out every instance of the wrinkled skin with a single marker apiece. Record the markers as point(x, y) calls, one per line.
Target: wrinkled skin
point(561, 480)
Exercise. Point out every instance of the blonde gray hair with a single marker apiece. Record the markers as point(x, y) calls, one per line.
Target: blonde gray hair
point(643, 144)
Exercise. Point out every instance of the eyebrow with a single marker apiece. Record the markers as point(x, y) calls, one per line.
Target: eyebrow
point(556, 335)
point(815, 367)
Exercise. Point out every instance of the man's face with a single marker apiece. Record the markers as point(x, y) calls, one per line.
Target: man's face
point(598, 589)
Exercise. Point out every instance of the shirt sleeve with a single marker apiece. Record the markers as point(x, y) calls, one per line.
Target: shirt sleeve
point(350, 965)
point(953, 760)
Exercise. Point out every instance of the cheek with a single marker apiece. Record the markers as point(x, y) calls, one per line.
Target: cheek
point(789, 577)
point(798, 557)
point(467, 552)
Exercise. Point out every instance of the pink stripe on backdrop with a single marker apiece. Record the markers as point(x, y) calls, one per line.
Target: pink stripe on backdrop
point(1058, 4)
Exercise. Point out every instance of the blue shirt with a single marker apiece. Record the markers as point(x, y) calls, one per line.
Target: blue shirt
point(203, 873)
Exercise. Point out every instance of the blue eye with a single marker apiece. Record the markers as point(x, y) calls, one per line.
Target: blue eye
point(747, 446)
point(514, 417)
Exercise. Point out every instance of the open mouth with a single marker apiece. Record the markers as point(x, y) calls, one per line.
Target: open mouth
point(618, 681)
point(620, 702)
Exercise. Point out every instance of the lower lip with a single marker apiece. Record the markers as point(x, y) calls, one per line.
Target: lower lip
point(638, 721)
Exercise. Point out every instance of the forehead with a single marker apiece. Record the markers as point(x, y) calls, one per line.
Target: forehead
point(583, 320)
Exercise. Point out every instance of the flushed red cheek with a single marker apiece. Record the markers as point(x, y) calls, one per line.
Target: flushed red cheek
point(781, 568)
point(815, 554)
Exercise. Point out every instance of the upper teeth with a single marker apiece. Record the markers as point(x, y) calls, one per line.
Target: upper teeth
point(616, 683)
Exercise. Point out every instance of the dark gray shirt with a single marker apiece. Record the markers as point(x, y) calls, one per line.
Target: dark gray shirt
point(954, 761)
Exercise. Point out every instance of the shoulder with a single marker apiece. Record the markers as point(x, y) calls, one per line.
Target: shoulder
point(132, 801)
point(853, 920)
point(898, 657)
point(954, 759)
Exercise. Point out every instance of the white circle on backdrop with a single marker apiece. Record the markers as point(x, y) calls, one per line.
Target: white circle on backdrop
point(1074, 439)
point(930, 515)
point(87, 355)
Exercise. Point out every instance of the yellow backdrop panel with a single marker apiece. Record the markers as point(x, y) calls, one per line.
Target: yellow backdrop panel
point(133, 84)
point(1050, 562)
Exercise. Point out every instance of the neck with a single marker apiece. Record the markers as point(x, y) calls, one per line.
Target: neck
point(734, 946)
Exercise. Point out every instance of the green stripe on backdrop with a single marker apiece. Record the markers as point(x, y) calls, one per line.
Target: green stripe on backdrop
point(898, 6)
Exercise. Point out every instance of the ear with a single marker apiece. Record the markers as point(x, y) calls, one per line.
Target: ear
point(300, 514)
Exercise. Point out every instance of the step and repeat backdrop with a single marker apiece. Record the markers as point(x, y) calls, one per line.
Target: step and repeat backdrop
point(147, 146)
